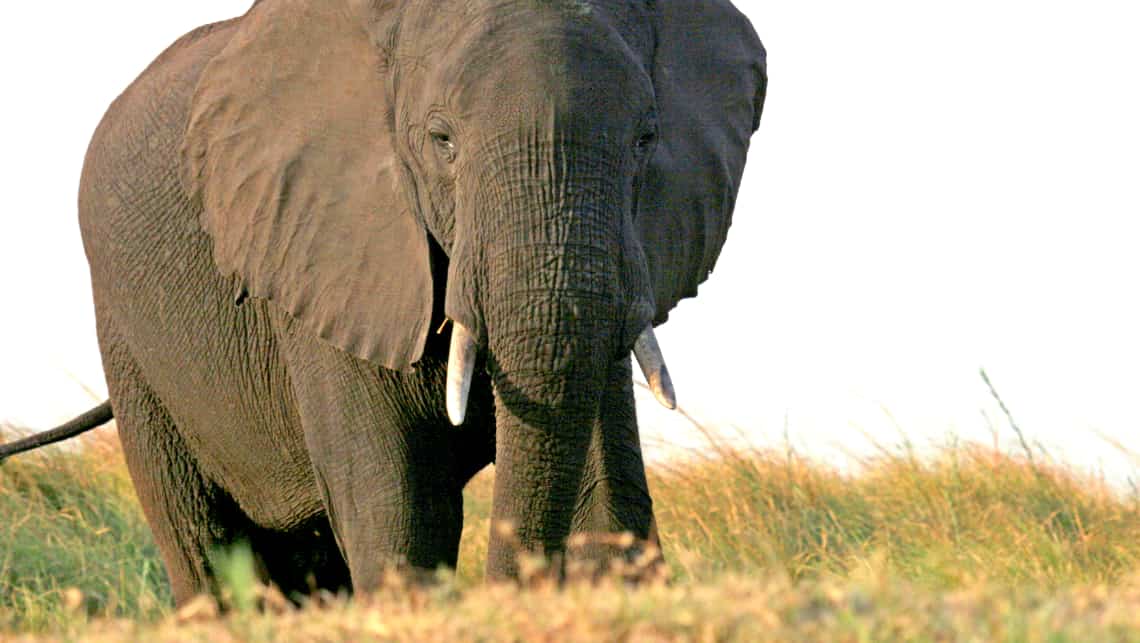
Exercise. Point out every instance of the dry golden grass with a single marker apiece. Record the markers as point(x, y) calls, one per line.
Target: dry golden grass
point(972, 544)
point(970, 515)
point(873, 606)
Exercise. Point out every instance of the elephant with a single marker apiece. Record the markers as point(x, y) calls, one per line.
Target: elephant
point(347, 253)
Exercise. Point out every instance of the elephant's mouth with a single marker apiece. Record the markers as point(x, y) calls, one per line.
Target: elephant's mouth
point(464, 351)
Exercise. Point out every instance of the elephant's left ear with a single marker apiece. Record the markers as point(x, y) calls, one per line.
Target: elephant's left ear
point(290, 151)
point(710, 76)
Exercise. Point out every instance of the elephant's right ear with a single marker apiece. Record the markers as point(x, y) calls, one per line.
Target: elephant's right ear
point(290, 152)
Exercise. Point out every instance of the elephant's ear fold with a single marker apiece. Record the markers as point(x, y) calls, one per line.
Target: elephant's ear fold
point(710, 77)
point(290, 152)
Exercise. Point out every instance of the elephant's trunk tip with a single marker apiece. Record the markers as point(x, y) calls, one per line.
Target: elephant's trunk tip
point(460, 367)
point(652, 363)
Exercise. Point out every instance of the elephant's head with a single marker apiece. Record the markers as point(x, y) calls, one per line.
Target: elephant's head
point(576, 161)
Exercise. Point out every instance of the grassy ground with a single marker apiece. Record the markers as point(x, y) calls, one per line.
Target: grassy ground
point(972, 544)
point(71, 533)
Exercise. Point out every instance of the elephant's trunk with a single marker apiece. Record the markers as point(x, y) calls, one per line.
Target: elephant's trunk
point(461, 368)
point(547, 275)
point(550, 369)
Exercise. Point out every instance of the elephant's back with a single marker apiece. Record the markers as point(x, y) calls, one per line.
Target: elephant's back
point(131, 174)
point(213, 364)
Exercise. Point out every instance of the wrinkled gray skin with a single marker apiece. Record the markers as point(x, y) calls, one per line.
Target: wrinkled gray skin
point(284, 207)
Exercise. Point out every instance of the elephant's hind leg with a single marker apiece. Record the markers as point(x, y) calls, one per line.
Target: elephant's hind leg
point(188, 515)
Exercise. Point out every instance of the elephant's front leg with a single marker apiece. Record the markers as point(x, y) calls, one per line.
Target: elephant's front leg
point(613, 500)
point(384, 459)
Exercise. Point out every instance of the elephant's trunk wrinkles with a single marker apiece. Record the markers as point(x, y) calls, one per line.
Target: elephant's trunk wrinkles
point(549, 374)
point(555, 309)
point(461, 367)
point(547, 277)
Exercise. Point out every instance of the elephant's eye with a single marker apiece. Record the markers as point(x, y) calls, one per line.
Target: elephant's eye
point(444, 144)
point(645, 141)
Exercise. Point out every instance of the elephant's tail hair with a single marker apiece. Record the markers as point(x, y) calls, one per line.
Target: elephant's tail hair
point(97, 416)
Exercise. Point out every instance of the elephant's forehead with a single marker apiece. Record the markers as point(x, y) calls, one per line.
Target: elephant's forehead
point(534, 65)
point(556, 62)
point(481, 36)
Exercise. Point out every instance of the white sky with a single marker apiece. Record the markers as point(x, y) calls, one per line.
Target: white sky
point(935, 187)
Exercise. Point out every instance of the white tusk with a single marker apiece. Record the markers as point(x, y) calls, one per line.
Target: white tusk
point(460, 366)
point(648, 354)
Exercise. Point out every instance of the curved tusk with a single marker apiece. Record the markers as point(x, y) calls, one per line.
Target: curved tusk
point(460, 366)
point(648, 354)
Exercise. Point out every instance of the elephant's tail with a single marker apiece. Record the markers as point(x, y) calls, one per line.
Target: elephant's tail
point(97, 416)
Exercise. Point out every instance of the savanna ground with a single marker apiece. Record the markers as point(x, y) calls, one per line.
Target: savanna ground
point(971, 544)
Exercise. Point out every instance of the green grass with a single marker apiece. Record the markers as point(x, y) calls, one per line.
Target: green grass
point(73, 541)
point(971, 544)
